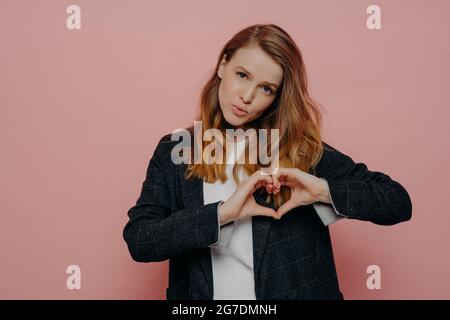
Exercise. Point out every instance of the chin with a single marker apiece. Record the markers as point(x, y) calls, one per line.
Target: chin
point(232, 121)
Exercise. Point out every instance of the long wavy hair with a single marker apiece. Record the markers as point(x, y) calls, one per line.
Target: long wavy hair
point(293, 111)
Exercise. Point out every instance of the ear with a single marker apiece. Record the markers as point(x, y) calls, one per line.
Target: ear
point(222, 65)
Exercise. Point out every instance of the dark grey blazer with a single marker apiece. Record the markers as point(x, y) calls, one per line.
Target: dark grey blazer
point(293, 257)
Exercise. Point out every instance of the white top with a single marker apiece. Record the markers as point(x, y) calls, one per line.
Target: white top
point(232, 254)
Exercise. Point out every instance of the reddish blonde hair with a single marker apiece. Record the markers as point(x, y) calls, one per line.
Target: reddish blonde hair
point(293, 111)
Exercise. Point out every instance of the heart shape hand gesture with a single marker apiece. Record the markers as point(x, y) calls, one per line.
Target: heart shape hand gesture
point(305, 189)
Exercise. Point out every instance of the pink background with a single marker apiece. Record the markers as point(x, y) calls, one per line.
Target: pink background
point(81, 112)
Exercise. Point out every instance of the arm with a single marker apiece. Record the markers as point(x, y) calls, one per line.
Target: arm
point(359, 193)
point(156, 233)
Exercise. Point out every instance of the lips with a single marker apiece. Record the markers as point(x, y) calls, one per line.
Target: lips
point(238, 111)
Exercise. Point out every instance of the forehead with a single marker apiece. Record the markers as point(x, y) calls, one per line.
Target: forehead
point(259, 63)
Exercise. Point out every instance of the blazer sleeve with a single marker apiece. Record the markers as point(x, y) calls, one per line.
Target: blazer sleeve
point(156, 232)
point(327, 213)
point(225, 232)
point(359, 193)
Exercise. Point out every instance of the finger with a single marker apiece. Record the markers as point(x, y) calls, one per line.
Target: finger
point(283, 180)
point(261, 177)
point(288, 183)
point(257, 180)
point(268, 171)
point(264, 211)
point(258, 173)
point(288, 173)
point(286, 207)
point(285, 177)
point(296, 174)
point(276, 184)
point(280, 172)
point(261, 184)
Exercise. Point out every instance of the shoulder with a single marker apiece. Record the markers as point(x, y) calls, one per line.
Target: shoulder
point(328, 153)
point(164, 146)
point(166, 140)
point(331, 158)
point(178, 138)
point(174, 137)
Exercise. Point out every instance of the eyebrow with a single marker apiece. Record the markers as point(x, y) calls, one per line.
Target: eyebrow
point(272, 84)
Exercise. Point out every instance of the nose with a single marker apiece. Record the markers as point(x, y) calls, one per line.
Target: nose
point(247, 95)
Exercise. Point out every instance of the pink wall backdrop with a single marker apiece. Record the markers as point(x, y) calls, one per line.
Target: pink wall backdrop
point(81, 112)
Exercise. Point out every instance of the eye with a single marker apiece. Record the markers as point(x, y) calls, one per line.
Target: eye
point(241, 73)
point(270, 91)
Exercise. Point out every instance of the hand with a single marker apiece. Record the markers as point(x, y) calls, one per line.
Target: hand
point(305, 188)
point(241, 204)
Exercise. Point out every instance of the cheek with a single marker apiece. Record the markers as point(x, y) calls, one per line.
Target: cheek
point(230, 86)
point(262, 105)
point(228, 92)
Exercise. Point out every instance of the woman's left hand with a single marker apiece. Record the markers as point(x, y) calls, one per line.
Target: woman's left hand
point(305, 188)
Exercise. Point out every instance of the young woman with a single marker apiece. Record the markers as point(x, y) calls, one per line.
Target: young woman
point(245, 231)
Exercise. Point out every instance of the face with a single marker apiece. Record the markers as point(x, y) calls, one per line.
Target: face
point(249, 84)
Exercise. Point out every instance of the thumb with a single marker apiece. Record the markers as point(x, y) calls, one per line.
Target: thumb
point(265, 211)
point(287, 206)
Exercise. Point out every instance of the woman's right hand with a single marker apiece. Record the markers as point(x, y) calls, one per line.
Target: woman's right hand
point(241, 203)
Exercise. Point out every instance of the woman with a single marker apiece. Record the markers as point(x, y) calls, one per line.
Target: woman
point(252, 230)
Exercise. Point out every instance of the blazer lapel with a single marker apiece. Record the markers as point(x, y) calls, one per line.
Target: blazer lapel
point(192, 196)
point(260, 230)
